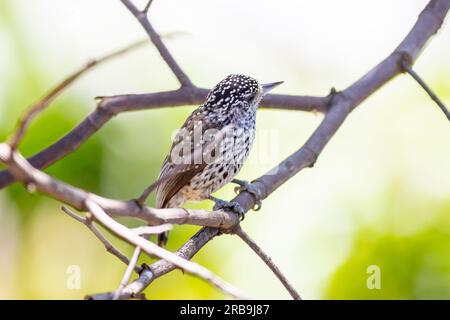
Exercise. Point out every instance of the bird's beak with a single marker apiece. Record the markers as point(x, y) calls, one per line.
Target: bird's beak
point(269, 86)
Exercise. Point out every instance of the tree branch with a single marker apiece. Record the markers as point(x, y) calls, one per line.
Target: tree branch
point(147, 6)
point(66, 193)
point(128, 273)
point(108, 245)
point(428, 90)
point(108, 107)
point(154, 250)
point(161, 267)
point(38, 107)
point(268, 261)
point(76, 198)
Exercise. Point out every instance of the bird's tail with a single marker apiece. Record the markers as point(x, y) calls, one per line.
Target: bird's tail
point(163, 238)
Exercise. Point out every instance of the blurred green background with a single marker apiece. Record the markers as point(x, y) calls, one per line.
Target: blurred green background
point(379, 194)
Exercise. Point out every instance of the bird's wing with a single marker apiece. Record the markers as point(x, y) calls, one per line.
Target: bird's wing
point(177, 173)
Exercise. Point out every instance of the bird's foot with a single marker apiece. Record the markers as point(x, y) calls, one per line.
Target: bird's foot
point(250, 188)
point(230, 205)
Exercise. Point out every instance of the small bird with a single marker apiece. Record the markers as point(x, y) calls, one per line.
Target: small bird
point(210, 148)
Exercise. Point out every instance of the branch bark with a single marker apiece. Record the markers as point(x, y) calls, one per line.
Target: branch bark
point(128, 273)
point(427, 89)
point(268, 261)
point(108, 107)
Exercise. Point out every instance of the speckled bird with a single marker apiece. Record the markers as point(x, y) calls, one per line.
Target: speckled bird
point(217, 137)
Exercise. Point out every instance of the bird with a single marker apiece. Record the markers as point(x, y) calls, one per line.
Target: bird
point(210, 148)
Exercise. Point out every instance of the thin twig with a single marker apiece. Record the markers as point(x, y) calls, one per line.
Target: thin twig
point(341, 104)
point(141, 231)
point(151, 230)
point(161, 267)
point(147, 6)
point(128, 273)
point(433, 96)
point(108, 245)
point(159, 44)
point(38, 107)
point(268, 261)
point(75, 197)
point(154, 250)
point(338, 106)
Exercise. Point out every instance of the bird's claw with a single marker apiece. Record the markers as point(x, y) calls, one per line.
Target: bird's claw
point(250, 188)
point(232, 206)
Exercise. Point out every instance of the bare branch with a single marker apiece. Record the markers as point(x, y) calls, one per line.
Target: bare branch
point(147, 6)
point(338, 105)
point(268, 261)
point(76, 197)
point(422, 83)
point(127, 276)
point(160, 46)
point(111, 106)
point(152, 249)
point(75, 216)
point(108, 245)
point(34, 110)
point(142, 231)
point(148, 230)
point(23, 171)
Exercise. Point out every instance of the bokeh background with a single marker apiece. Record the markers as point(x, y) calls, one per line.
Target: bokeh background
point(378, 195)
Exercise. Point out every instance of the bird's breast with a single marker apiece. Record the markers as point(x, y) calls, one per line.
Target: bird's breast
point(231, 155)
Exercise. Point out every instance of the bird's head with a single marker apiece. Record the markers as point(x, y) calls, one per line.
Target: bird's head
point(237, 94)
